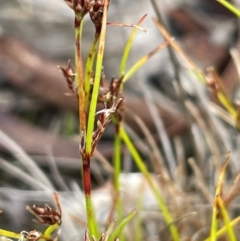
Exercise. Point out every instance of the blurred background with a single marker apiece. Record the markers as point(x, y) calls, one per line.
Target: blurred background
point(35, 112)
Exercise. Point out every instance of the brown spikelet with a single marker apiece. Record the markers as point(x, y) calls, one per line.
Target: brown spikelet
point(46, 214)
point(69, 76)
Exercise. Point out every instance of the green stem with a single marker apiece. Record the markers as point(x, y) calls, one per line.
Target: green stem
point(227, 104)
point(214, 224)
point(9, 234)
point(90, 127)
point(223, 230)
point(120, 227)
point(117, 171)
point(92, 226)
point(166, 214)
point(230, 6)
point(117, 158)
point(89, 67)
point(142, 61)
point(128, 47)
point(50, 230)
point(226, 219)
point(138, 231)
point(98, 73)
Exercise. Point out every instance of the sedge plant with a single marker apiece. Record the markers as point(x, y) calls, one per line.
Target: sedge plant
point(89, 88)
point(87, 84)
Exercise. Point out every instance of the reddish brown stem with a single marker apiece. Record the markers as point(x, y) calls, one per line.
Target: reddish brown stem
point(87, 176)
point(87, 190)
point(80, 76)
